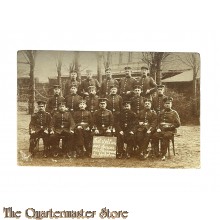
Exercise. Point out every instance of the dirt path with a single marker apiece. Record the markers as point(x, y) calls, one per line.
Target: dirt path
point(187, 145)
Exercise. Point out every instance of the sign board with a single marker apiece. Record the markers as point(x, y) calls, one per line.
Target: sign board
point(104, 147)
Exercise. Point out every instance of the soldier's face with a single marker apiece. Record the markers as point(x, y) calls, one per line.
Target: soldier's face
point(82, 105)
point(62, 108)
point(147, 105)
point(92, 91)
point(137, 91)
point(73, 90)
point(41, 108)
point(102, 105)
point(73, 75)
point(114, 91)
point(127, 106)
point(108, 74)
point(144, 72)
point(167, 105)
point(160, 91)
point(127, 72)
point(89, 75)
point(56, 91)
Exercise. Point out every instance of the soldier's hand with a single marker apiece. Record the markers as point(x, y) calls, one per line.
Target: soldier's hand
point(148, 91)
point(52, 132)
point(131, 132)
point(87, 129)
point(71, 131)
point(96, 131)
point(32, 132)
point(79, 127)
point(149, 131)
point(46, 131)
point(141, 123)
point(86, 93)
point(158, 130)
point(128, 92)
point(108, 131)
point(121, 133)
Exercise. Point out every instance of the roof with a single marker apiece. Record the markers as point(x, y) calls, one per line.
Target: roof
point(185, 76)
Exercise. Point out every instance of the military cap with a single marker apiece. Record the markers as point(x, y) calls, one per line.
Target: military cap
point(107, 69)
point(147, 100)
point(73, 71)
point(160, 86)
point(73, 85)
point(88, 71)
point(83, 101)
point(102, 100)
point(61, 103)
point(113, 86)
point(168, 99)
point(56, 86)
point(138, 87)
point(127, 68)
point(40, 102)
point(91, 87)
point(126, 102)
point(144, 68)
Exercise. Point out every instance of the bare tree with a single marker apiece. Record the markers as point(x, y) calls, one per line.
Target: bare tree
point(154, 62)
point(106, 59)
point(59, 63)
point(76, 64)
point(30, 58)
point(192, 60)
point(99, 57)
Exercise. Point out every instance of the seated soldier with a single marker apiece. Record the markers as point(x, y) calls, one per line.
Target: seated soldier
point(83, 120)
point(125, 129)
point(103, 119)
point(147, 123)
point(168, 121)
point(39, 127)
point(62, 125)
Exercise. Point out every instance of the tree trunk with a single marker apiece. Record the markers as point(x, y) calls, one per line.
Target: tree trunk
point(99, 74)
point(31, 90)
point(158, 73)
point(77, 64)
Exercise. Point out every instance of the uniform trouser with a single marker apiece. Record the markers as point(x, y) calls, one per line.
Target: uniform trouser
point(127, 138)
point(165, 137)
point(142, 140)
point(83, 138)
point(33, 141)
point(67, 141)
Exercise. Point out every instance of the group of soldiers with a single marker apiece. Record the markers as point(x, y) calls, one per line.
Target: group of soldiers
point(136, 111)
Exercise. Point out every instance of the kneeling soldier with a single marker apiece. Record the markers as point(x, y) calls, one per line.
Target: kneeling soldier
point(168, 121)
point(62, 125)
point(83, 120)
point(103, 119)
point(147, 123)
point(125, 127)
point(39, 127)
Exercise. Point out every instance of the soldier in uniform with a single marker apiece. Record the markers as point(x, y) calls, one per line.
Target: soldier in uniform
point(62, 125)
point(84, 124)
point(52, 103)
point(107, 83)
point(125, 128)
point(103, 119)
point(89, 81)
point(168, 121)
point(157, 100)
point(73, 100)
point(146, 82)
point(147, 124)
point(92, 100)
point(126, 84)
point(137, 102)
point(39, 127)
point(73, 81)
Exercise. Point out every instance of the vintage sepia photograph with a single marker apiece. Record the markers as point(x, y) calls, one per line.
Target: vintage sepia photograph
point(108, 109)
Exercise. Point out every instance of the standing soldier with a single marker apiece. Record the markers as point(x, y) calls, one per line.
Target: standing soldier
point(126, 123)
point(157, 100)
point(107, 83)
point(168, 122)
point(83, 120)
point(62, 126)
point(137, 102)
point(103, 119)
point(73, 99)
point(146, 82)
point(52, 103)
point(73, 81)
point(92, 100)
point(39, 127)
point(127, 84)
point(89, 81)
point(147, 124)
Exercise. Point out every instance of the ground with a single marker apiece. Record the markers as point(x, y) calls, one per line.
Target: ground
point(187, 145)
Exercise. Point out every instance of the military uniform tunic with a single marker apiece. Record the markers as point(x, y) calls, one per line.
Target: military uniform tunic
point(72, 102)
point(106, 86)
point(52, 104)
point(146, 83)
point(126, 84)
point(92, 102)
point(114, 103)
point(158, 103)
point(137, 104)
point(84, 87)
